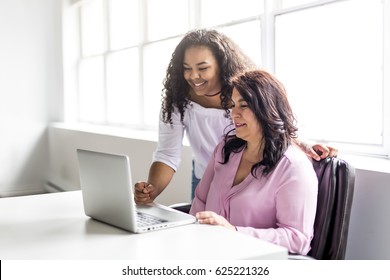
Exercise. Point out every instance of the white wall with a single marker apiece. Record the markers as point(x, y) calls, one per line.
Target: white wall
point(64, 140)
point(30, 84)
point(369, 229)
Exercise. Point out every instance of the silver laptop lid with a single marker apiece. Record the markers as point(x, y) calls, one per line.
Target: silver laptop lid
point(107, 188)
point(108, 194)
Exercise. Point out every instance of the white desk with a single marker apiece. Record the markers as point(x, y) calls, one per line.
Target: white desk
point(54, 226)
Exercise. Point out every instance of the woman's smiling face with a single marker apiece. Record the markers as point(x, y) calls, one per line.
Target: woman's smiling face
point(201, 71)
point(245, 122)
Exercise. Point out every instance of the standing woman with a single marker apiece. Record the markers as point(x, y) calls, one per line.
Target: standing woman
point(200, 70)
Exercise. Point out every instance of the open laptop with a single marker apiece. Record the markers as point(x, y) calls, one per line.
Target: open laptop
point(108, 196)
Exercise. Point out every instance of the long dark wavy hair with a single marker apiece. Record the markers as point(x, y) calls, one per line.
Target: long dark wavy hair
point(267, 99)
point(231, 61)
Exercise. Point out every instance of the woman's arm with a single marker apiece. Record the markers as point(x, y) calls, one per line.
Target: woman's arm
point(166, 160)
point(160, 175)
point(296, 203)
point(316, 151)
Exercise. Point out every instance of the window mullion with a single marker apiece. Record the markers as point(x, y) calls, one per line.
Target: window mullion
point(106, 38)
point(194, 13)
point(143, 23)
point(386, 80)
point(77, 112)
point(268, 36)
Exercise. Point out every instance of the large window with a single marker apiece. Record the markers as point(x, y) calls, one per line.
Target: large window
point(331, 55)
point(117, 62)
point(333, 70)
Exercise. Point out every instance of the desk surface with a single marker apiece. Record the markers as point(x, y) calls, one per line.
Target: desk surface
point(54, 226)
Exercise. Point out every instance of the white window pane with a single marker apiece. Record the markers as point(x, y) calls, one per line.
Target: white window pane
point(217, 12)
point(92, 30)
point(332, 69)
point(124, 25)
point(251, 45)
point(156, 60)
point(91, 85)
point(293, 3)
point(123, 96)
point(167, 18)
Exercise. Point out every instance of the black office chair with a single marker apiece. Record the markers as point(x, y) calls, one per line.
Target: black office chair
point(336, 180)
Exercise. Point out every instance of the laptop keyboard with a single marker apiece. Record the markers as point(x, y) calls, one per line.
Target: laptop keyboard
point(148, 220)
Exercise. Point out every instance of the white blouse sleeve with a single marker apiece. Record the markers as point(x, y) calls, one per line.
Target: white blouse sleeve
point(170, 138)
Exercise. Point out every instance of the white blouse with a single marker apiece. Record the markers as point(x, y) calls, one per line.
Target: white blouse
point(204, 128)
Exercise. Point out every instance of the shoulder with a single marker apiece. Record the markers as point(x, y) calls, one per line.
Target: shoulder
point(295, 161)
point(294, 155)
point(295, 170)
point(218, 149)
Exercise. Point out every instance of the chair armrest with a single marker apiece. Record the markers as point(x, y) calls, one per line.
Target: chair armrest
point(182, 207)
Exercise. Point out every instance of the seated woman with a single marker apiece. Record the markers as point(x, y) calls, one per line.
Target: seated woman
point(257, 181)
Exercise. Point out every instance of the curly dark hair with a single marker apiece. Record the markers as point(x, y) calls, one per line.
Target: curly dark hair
point(231, 61)
point(267, 99)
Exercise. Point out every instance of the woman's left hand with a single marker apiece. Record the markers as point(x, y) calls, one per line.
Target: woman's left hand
point(212, 218)
point(316, 151)
point(319, 151)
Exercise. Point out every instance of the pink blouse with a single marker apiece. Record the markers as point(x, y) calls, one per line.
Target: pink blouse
point(279, 208)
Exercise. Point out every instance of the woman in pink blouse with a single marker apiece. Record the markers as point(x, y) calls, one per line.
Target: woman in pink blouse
point(257, 181)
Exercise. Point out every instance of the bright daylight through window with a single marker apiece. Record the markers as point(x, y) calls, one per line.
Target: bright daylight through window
point(331, 55)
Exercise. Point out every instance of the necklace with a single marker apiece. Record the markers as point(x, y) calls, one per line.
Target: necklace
point(214, 94)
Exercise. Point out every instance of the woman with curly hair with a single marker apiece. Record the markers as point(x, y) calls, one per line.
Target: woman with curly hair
point(197, 77)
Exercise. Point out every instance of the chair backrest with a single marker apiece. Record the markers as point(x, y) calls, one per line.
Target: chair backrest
point(336, 180)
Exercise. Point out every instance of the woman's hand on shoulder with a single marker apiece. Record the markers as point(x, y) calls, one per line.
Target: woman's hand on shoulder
point(320, 151)
point(316, 151)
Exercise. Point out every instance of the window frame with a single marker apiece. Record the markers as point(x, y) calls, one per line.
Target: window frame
point(72, 53)
point(371, 150)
